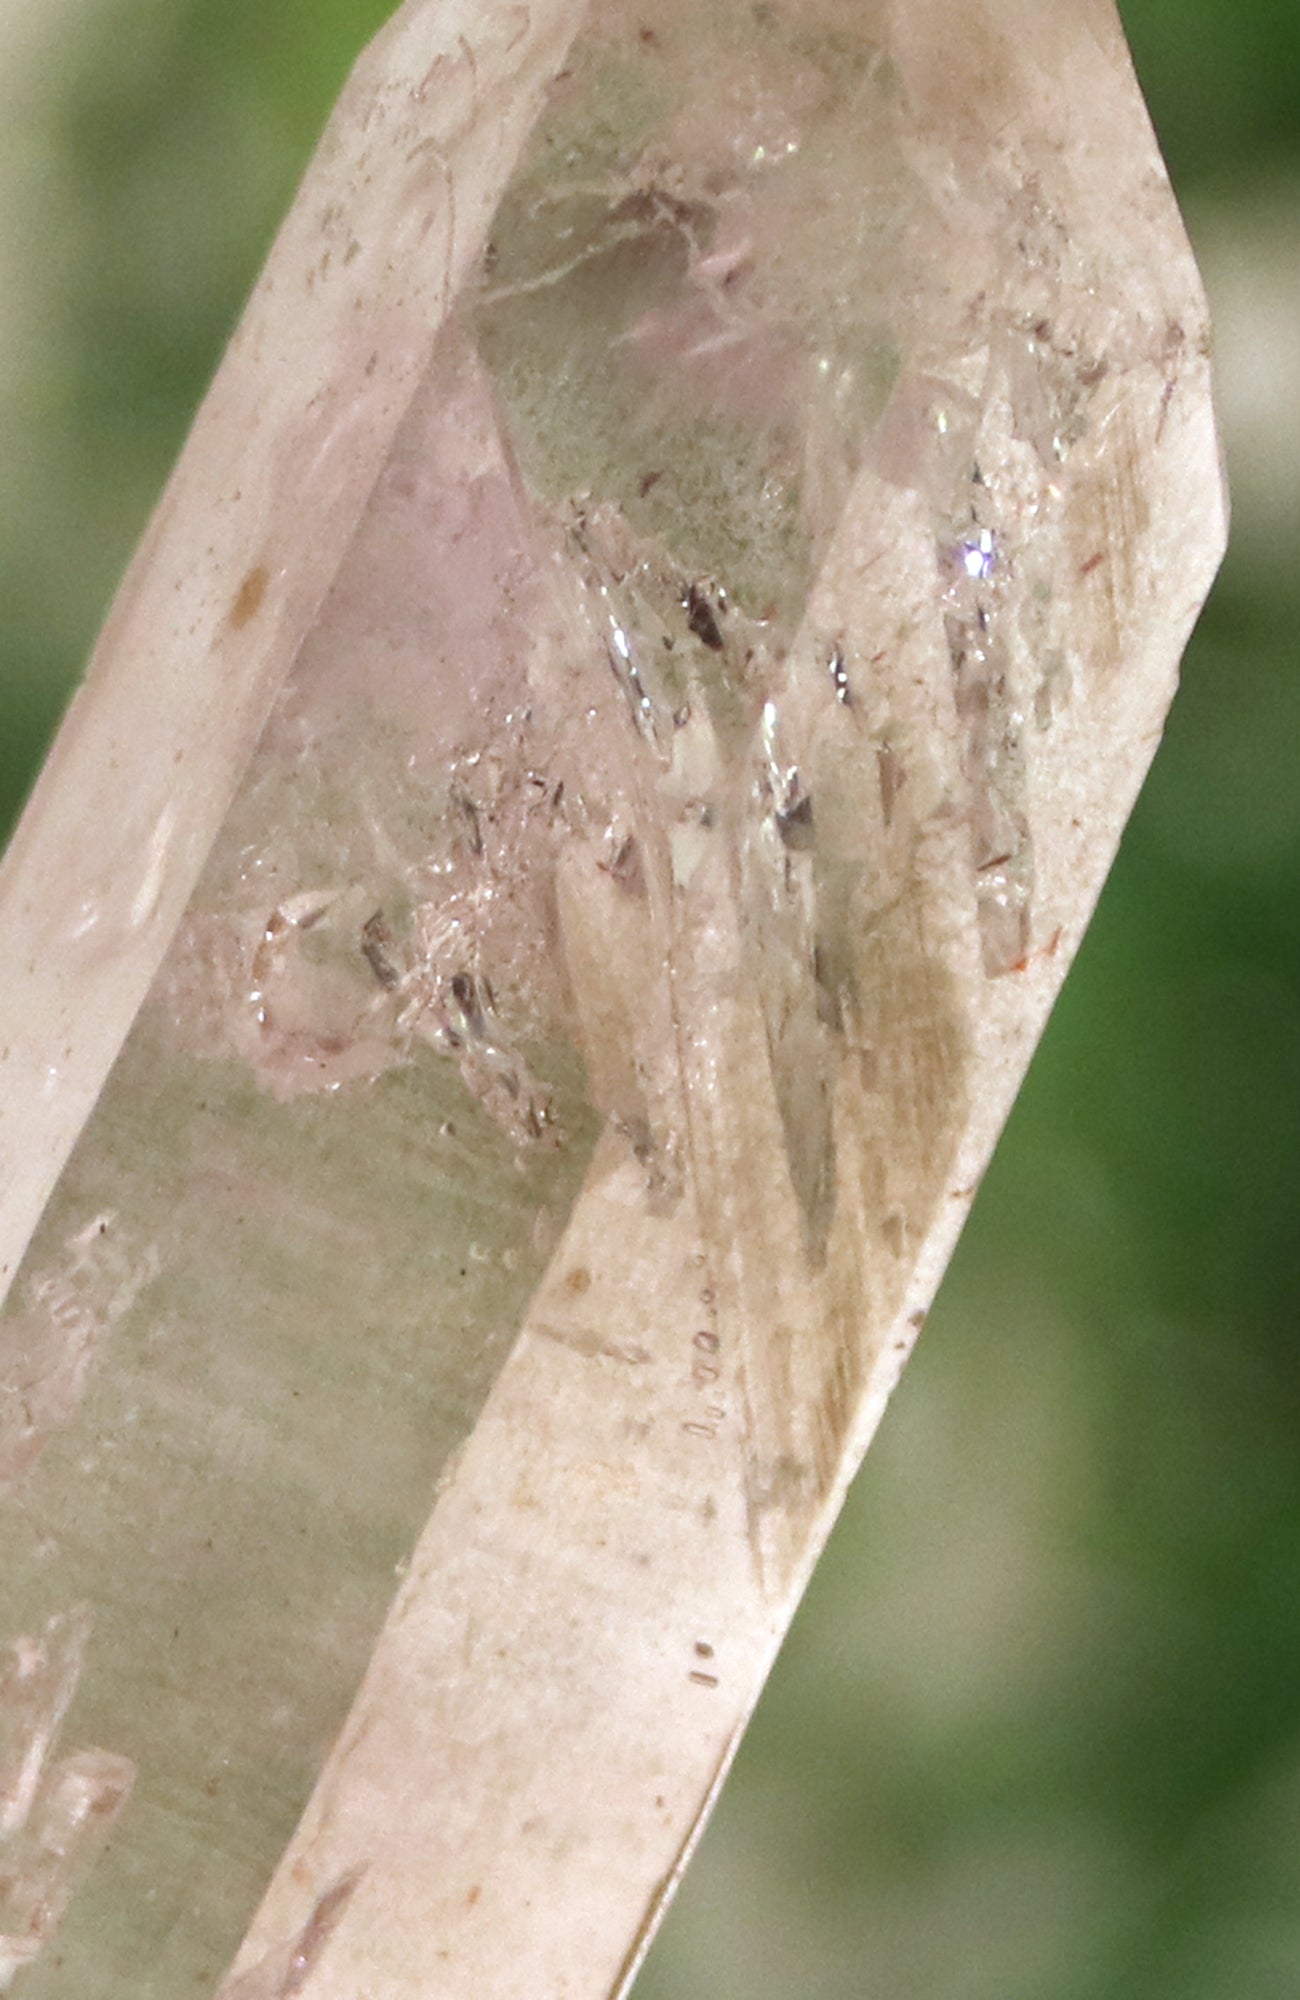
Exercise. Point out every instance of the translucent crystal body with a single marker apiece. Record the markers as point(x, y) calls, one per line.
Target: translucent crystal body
point(606, 985)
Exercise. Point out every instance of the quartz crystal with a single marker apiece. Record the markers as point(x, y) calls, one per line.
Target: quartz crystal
point(526, 942)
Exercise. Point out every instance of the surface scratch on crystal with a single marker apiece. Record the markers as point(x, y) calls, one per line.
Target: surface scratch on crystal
point(284, 1972)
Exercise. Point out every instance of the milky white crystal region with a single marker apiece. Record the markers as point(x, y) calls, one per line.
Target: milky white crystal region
point(629, 866)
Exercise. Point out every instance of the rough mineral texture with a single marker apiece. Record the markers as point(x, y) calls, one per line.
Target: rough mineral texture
point(606, 827)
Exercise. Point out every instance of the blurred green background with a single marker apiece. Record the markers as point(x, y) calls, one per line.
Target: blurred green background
point(1036, 1735)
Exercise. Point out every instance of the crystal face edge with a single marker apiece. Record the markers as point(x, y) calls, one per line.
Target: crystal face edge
point(871, 910)
point(994, 609)
point(233, 567)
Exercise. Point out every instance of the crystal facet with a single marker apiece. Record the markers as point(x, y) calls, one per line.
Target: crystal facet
point(679, 579)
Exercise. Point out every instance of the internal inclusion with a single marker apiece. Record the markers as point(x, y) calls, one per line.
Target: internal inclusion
point(305, 1221)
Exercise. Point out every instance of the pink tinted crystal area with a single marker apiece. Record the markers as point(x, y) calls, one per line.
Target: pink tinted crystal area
point(619, 955)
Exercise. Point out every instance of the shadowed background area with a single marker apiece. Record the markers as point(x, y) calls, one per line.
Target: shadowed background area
point(1036, 1734)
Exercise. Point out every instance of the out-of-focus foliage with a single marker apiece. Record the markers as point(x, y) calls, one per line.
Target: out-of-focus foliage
point(1036, 1735)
